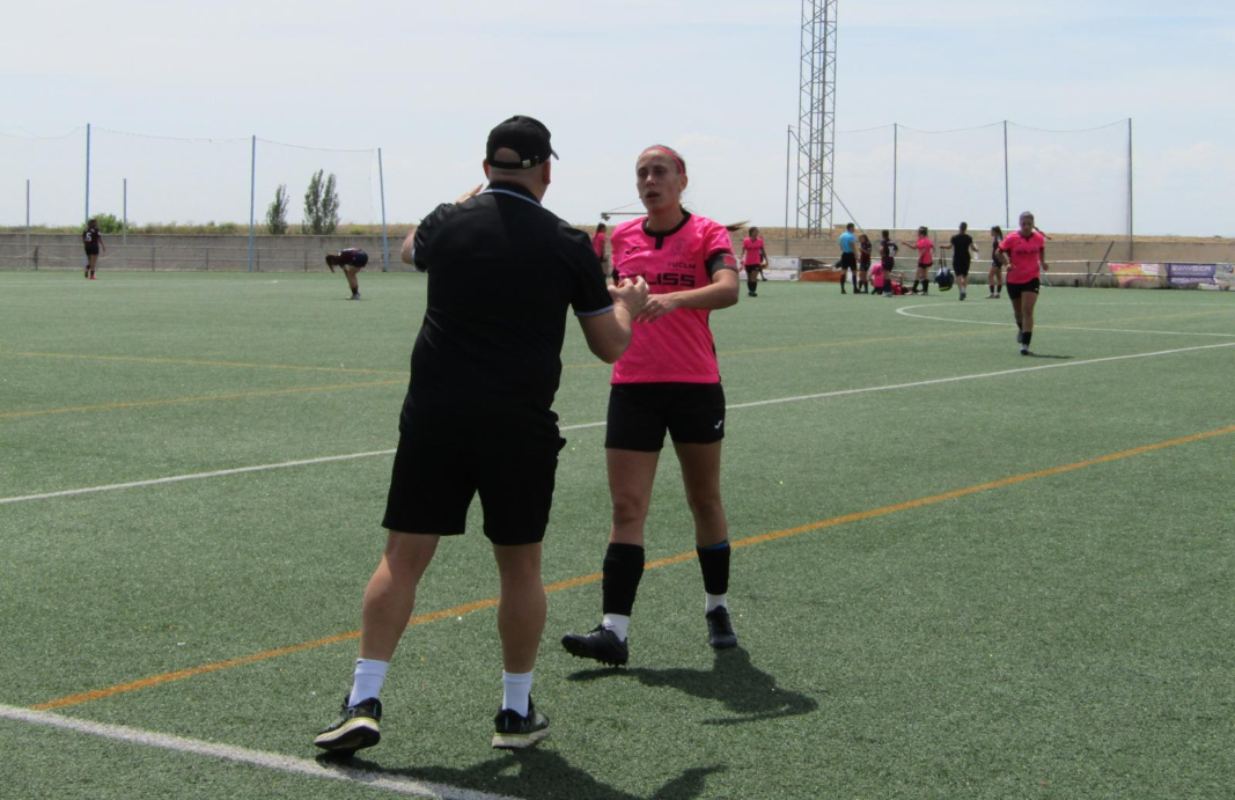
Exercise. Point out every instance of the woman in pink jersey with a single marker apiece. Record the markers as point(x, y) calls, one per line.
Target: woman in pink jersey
point(1026, 249)
point(754, 257)
point(926, 249)
point(667, 380)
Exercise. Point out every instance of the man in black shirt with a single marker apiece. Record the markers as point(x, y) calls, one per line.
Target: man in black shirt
point(477, 417)
point(962, 246)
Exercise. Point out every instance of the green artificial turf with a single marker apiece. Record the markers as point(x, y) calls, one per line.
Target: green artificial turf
point(940, 589)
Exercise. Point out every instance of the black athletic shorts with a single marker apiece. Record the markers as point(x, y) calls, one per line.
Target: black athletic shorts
point(92, 249)
point(442, 462)
point(640, 413)
point(961, 269)
point(1015, 289)
point(848, 261)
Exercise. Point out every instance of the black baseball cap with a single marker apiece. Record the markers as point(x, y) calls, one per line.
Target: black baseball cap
point(528, 137)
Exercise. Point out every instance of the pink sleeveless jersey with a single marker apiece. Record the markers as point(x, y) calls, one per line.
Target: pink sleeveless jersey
point(678, 347)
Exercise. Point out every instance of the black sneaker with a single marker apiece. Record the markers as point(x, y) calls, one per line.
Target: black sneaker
point(515, 732)
point(599, 644)
point(720, 629)
point(357, 727)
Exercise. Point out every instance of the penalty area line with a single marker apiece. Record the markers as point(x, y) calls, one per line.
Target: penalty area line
point(276, 762)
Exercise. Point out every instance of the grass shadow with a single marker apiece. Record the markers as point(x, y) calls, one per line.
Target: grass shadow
point(537, 772)
point(747, 692)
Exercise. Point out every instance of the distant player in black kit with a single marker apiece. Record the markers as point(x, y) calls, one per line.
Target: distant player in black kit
point(92, 240)
point(962, 247)
point(352, 260)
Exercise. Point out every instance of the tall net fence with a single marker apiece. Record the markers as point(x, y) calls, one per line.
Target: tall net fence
point(1076, 181)
point(156, 180)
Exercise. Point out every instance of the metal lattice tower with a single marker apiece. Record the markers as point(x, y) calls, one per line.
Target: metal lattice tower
point(816, 132)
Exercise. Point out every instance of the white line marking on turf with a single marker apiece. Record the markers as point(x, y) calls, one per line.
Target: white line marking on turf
point(585, 425)
point(904, 311)
point(271, 761)
point(977, 376)
point(218, 473)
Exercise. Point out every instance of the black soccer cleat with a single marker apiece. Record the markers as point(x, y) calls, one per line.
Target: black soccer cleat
point(358, 727)
point(720, 629)
point(599, 644)
point(513, 731)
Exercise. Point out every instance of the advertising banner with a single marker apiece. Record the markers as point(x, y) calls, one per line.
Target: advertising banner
point(1204, 276)
point(1141, 276)
point(783, 268)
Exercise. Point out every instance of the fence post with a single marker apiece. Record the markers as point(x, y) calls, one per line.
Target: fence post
point(36, 260)
point(381, 182)
point(252, 193)
point(87, 171)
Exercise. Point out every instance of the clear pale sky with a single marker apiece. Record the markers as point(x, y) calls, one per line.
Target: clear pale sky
point(717, 79)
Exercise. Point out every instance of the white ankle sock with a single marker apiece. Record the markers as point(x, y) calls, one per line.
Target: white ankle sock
point(367, 679)
point(516, 689)
point(618, 623)
point(715, 601)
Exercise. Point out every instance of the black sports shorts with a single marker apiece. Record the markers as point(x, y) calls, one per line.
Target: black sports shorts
point(640, 413)
point(848, 261)
point(960, 269)
point(1015, 289)
point(92, 249)
point(443, 461)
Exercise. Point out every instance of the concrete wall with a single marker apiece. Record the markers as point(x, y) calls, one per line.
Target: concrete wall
point(191, 252)
point(1066, 253)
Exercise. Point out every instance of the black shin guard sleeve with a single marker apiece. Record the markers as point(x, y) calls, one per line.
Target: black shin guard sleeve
point(622, 570)
point(714, 563)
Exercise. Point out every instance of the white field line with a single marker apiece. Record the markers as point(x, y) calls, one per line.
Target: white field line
point(904, 311)
point(582, 426)
point(977, 376)
point(271, 761)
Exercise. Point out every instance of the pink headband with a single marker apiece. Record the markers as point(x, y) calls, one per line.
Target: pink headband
point(669, 151)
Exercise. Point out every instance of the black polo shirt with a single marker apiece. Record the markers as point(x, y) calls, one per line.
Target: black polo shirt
point(503, 271)
point(961, 243)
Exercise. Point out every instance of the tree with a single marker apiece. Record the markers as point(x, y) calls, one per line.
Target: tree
point(321, 205)
point(109, 223)
point(276, 212)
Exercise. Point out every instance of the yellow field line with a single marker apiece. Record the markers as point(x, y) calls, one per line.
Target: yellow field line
point(202, 362)
point(173, 401)
point(584, 580)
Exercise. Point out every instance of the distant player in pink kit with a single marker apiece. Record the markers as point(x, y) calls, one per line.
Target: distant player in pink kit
point(754, 257)
point(926, 258)
point(1026, 249)
point(668, 379)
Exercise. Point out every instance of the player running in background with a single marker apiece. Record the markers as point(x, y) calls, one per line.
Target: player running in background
point(848, 257)
point(352, 260)
point(926, 258)
point(754, 258)
point(1026, 249)
point(994, 278)
point(962, 248)
point(92, 241)
point(668, 379)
